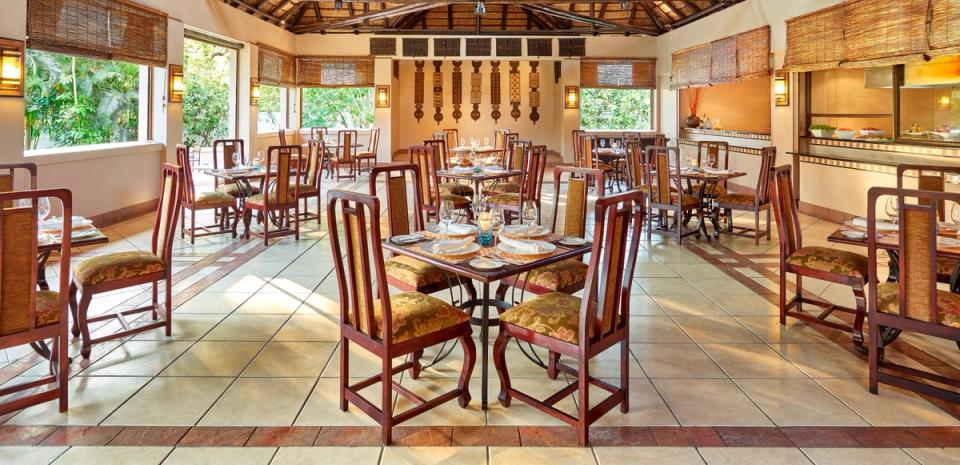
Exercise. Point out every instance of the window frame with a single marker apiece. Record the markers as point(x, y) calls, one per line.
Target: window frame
point(654, 110)
point(373, 104)
point(284, 122)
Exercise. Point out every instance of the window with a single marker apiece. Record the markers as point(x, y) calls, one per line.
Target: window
point(73, 101)
point(616, 109)
point(856, 103)
point(930, 101)
point(342, 107)
point(207, 98)
point(271, 111)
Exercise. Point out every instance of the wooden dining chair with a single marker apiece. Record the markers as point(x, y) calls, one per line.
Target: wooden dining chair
point(8, 175)
point(914, 304)
point(566, 276)
point(223, 150)
point(531, 184)
point(387, 326)
point(516, 150)
point(827, 264)
point(282, 136)
point(588, 146)
point(370, 154)
point(309, 182)
point(121, 270)
point(666, 192)
point(500, 139)
point(345, 155)
point(29, 315)
point(577, 135)
point(441, 147)
point(280, 196)
point(719, 153)
point(583, 328)
point(427, 158)
point(218, 201)
point(452, 136)
point(757, 203)
point(635, 167)
point(318, 132)
point(934, 178)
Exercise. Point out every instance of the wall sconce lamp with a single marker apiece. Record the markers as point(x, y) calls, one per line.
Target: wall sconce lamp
point(175, 92)
point(382, 99)
point(254, 92)
point(571, 97)
point(11, 67)
point(945, 101)
point(781, 89)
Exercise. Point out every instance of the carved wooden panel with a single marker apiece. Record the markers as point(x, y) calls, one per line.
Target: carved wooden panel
point(437, 91)
point(573, 47)
point(495, 90)
point(383, 46)
point(540, 47)
point(476, 89)
point(418, 91)
point(478, 47)
point(556, 72)
point(446, 47)
point(415, 47)
point(509, 47)
point(457, 91)
point(534, 91)
point(515, 89)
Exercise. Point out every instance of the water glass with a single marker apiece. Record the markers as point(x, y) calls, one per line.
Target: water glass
point(530, 214)
point(446, 216)
point(496, 221)
point(236, 159)
point(892, 208)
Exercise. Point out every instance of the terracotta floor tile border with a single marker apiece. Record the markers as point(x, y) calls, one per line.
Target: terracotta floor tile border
point(214, 436)
point(486, 436)
point(82, 436)
point(150, 436)
point(287, 436)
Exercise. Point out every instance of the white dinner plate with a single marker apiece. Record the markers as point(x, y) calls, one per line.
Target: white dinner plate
point(466, 248)
point(572, 241)
point(486, 264)
point(851, 234)
point(522, 231)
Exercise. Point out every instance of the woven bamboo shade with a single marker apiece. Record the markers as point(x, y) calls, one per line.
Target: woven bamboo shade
point(322, 71)
point(815, 40)
point(616, 73)
point(944, 27)
point(104, 29)
point(883, 32)
point(276, 68)
point(753, 53)
point(691, 67)
point(723, 54)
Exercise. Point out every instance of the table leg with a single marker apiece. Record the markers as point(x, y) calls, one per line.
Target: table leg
point(894, 275)
point(42, 258)
point(484, 339)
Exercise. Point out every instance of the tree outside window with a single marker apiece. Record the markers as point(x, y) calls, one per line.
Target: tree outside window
point(206, 96)
point(270, 113)
point(341, 107)
point(616, 109)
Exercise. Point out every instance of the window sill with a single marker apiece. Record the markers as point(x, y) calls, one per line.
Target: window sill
point(88, 152)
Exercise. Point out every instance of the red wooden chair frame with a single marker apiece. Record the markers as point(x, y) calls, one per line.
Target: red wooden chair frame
point(285, 201)
point(345, 155)
point(427, 158)
point(316, 148)
point(370, 155)
point(666, 188)
point(531, 182)
point(7, 183)
point(761, 202)
point(188, 200)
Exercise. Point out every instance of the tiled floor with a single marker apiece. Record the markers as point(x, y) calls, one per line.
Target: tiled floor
point(249, 375)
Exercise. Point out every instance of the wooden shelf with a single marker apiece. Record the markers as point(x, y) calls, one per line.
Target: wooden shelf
point(851, 115)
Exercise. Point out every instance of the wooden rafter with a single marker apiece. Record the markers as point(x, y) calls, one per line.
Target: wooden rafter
point(592, 21)
point(380, 14)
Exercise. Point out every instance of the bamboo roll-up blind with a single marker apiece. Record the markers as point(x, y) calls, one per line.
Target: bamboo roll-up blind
point(723, 54)
point(276, 68)
point(815, 40)
point(691, 67)
point(323, 71)
point(883, 32)
point(944, 27)
point(104, 29)
point(616, 73)
point(753, 53)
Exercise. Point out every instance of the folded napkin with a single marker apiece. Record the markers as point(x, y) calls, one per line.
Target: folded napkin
point(520, 246)
point(861, 222)
point(449, 246)
point(715, 171)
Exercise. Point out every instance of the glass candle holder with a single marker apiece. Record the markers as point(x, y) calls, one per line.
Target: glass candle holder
point(485, 229)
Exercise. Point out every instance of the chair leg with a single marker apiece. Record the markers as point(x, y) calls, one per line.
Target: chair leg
point(193, 226)
point(469, 360)
point(386, 401)
point(874, 356)
point(502, 291)
point(266, 227)
point(247, 216)
point(583, 388)
point(783, 297)
point(344, 371)
point(168, 305)
point(154, 299)
point(500, 363)
point(625, 376)
point(296, 222)
point(417, 367)
point(553, 359)
point(75, 327)
point(768, 223)
point(84, 327)
point(858, 294)
point(756, 228)
point(63, 370)
point(183, 222)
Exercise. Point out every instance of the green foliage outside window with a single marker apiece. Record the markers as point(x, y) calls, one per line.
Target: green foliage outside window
point(347, 107)
point(268, 116)
point(79, 101)
point(206, 96)
point(616, 109)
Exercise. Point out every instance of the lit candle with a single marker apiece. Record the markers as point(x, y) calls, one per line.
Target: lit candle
point(485, 220)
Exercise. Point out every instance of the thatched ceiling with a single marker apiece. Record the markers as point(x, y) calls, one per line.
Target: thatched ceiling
point(649, 17)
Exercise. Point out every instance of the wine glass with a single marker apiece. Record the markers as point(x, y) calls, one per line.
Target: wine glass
point(446, 216)
point(603, 143)
point(892, 208)
point(486, 141)
point(236, 159)
point(496, 221)
point(530, 214)
point(712, 161)
point(43, 209)
point(955, 214)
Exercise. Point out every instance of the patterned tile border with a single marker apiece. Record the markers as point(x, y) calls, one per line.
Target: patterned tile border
point(724, 133)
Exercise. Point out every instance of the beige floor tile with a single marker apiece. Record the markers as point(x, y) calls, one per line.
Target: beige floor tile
point(824, 360)
point(695, 271)
point(933, 456)
point(213, 302)
point(238, 282)
point(293, 283)
point(746, 305)
point(214, 358)
point(644, 305)
point(29, 455)
point(688, 305)
point(710, 402)
point(321, 303)
point(310, 328)
point(327, 456)
point(647, 408)
point(653, 270)
point(113, 456)
point(769, 329)
point(891, 407)
point(541, 456)
point(137, 358)
point(714, 286)
point(707, 329)
point(186, 327)
point(278, 303)
point(323, 406)
point(220, 456)
point(675, 361)
point(291, 360)
point(260, 402)
point(448, 414)
point(656, 329)
point(667, 286)
point(238, 327)
point(651, 455)
point(434, 456)
point(751, 361)
point(799, 402)
point(170, 402)
point(520, 413)
point(753, 456)
point(840, 456)
point(92, 398)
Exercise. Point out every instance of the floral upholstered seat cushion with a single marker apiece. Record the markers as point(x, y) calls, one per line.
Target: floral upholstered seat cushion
point(413, 272)
point(509, 198)
point(556, 276)
point(717, 190)
point(458, 201)
point(116, 266)
point(366, 155)
point(48, 313)
point(746, 200)
point(305, 189)
point(456, 188)
point(258, 199)
point(555, 315)
point(829, 260)
point(604, 167)
point(214, 198)
point(948, 305)
point(689, 201)
point(946, 266)
point(234, 190)
point(416, 314)
point(506, 188)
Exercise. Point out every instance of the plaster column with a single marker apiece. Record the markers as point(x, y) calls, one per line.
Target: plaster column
point(13, 25)
point(382, 117)
point(246, 112)
point(569, 76)
point(168, 124)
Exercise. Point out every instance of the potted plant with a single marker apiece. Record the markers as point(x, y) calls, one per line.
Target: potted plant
point(823, 131)
point(693, 121)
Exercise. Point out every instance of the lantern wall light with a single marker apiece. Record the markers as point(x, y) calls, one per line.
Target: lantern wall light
point(781, 89)
point(254, 92)
point(175, 90)
point(11, 67)
point(571, 97)
point(382, 97)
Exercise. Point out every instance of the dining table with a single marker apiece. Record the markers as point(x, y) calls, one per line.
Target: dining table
point(477, 177)
point(708, 180)
point(460, 267)
point(480, 150)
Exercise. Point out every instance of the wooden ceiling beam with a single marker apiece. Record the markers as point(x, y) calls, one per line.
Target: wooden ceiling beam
point(602, 25)
point(656, 19)
point(358, 19)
